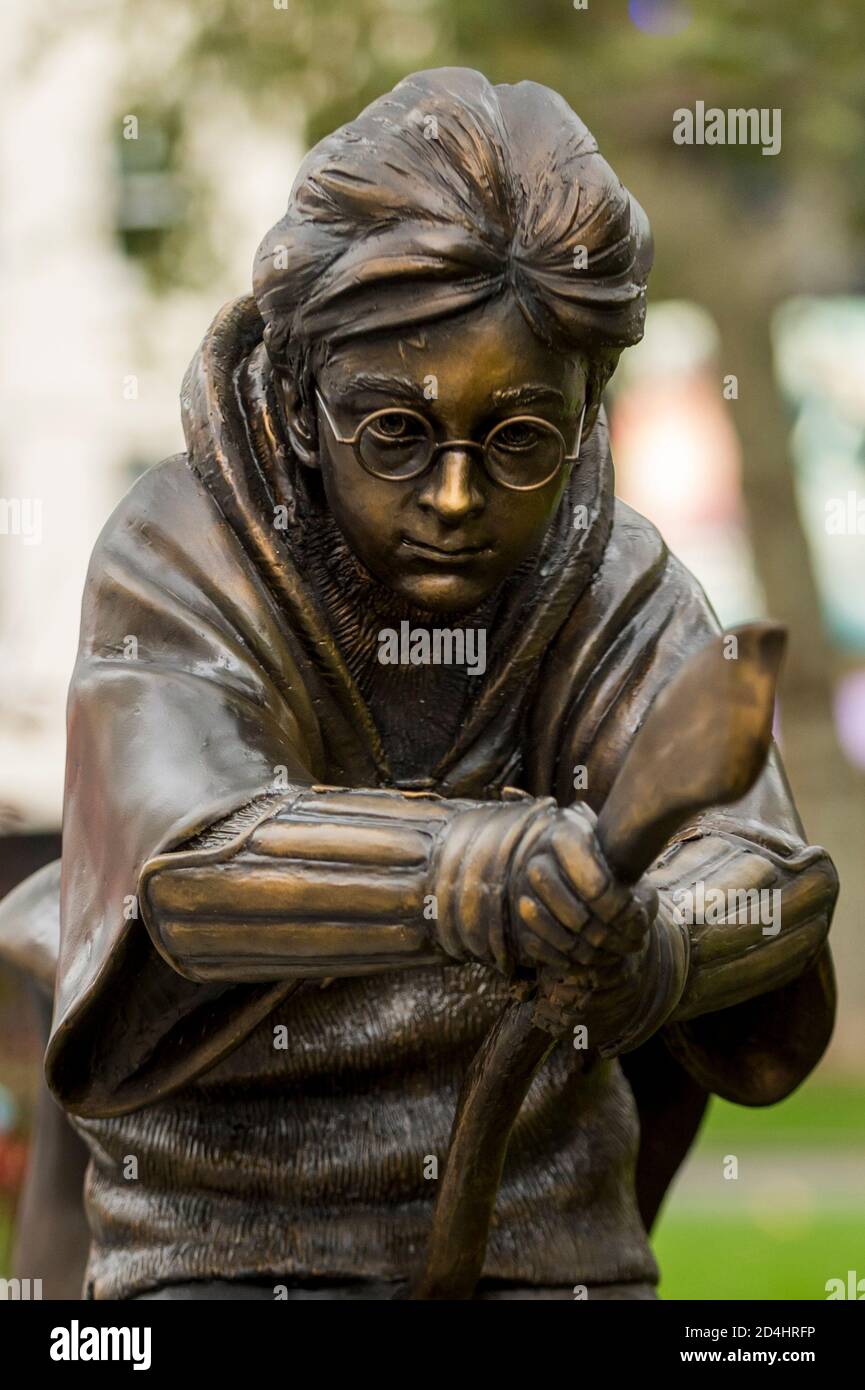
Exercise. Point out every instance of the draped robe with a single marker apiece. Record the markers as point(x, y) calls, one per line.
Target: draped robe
point(206, 667)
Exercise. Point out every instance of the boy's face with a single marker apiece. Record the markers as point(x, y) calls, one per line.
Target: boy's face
point(445, 539)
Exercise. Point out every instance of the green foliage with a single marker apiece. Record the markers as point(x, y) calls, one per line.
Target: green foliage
point(313, 64)
point(717, 1255)
point(329, 59)
point(732, 1243)
point(819, 1115)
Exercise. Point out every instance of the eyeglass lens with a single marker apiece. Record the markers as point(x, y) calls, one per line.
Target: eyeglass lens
point(519, 452)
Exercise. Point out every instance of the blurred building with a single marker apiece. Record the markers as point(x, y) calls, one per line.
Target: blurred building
point(677, 454)
point(98, 332)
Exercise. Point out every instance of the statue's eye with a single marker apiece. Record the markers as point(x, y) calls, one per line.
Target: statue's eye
point(396, 444)
point(517, 435)
point(395, 425)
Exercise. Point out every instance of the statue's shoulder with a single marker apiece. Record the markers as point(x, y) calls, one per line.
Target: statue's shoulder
point(159, 488)
point(637, 558)
point(169, 496)
point(634, 538)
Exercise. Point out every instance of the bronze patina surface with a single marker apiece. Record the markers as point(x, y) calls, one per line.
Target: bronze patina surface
point(358, 676)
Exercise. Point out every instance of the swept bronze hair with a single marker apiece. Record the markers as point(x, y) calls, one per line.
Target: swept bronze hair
point(444, 193)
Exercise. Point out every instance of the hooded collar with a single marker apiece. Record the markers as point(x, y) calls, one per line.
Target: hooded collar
point(237, 450)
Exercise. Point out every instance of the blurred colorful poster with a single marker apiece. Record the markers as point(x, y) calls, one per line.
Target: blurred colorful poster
point(820, 362)
point(677, 454)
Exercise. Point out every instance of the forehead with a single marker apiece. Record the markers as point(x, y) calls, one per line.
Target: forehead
point(466, 363)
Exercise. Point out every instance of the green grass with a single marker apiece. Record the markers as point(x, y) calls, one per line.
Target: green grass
point(723, 1257)
point(734, 1247)
point(826, 1115)
point(5, 1243)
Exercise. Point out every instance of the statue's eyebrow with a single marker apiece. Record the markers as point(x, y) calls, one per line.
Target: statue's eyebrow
point(384, 384)
point(404, 388)
point(528, 395)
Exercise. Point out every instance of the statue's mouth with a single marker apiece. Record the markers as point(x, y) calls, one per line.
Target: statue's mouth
point(447, 555)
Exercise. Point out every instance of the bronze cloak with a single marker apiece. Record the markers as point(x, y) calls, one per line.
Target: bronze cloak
point(206, 664)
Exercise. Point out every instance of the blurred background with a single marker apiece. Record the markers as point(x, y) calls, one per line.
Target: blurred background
point(145, 151)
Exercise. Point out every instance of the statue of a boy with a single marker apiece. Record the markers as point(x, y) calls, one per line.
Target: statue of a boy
point(356, 674)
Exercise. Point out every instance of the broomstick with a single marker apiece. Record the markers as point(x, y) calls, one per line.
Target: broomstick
point(704, 743)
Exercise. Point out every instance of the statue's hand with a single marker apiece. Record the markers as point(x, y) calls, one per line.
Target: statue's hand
point(604, 1004)
point(570, 915)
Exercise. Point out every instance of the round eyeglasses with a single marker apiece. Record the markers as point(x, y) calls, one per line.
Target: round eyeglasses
point(521, 453)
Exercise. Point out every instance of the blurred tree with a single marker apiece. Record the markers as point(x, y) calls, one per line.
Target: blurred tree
point(736, 230)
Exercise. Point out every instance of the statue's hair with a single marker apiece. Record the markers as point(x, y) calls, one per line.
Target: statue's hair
point(441, 195)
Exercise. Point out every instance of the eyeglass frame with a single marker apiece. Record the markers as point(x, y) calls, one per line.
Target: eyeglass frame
point(448, 444)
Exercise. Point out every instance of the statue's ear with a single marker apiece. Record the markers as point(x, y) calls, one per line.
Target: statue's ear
point(598, 376)
point(593, 405)
point(301, 437)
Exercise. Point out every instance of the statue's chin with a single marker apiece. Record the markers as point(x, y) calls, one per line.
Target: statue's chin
point(426, 590)
point(440, 593)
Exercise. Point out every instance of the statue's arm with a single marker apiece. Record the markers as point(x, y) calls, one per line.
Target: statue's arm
point(737, 920)
point(713, 964)
point(339, 882)
point(755, 919)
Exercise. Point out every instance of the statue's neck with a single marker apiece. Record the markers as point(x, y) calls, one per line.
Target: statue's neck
point(417, 709)
point(357, 604)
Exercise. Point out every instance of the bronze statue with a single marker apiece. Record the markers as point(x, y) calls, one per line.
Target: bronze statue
point(356, 785)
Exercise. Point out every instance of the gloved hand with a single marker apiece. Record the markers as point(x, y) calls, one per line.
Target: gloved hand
point(568, 910)
point(587, 934)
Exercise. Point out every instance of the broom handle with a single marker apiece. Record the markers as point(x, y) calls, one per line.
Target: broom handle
point(704, 743)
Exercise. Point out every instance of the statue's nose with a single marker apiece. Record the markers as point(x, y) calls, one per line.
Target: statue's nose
point(451, 489)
